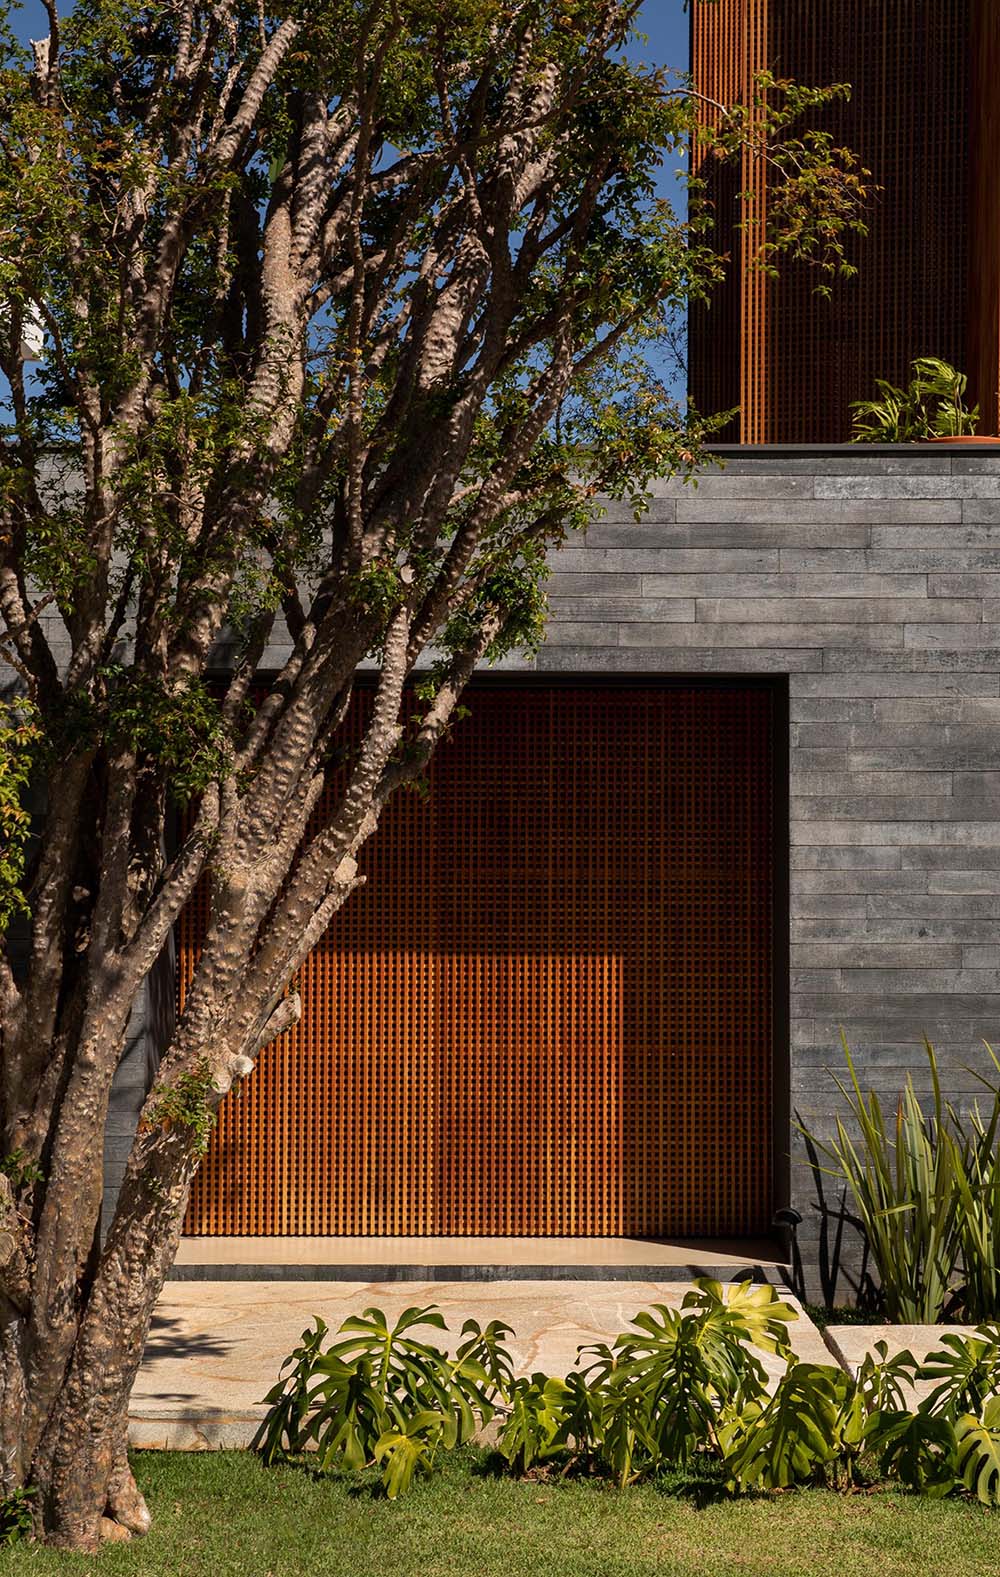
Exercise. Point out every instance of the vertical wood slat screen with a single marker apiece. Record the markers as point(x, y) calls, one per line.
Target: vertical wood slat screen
point(908, 118)
point(791, 359)
point(984, 219)
point(549, 1011)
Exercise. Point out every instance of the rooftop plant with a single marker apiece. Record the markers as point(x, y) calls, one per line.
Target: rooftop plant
point(931, 406)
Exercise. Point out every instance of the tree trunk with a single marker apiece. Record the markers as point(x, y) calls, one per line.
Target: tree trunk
point(77, 1467)
point(77, 1473)
point(73, 1328)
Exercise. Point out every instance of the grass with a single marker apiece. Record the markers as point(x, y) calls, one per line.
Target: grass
point(224, 1515)
point(822, 1317)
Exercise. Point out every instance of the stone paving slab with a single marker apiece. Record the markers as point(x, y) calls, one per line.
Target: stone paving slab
point(851, 1344)
point(215, 1347)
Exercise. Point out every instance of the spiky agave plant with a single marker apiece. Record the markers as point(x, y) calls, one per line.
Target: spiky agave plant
point(976, 1141)
point(900, 1174)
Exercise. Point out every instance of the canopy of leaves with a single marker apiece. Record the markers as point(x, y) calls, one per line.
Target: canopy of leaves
point(341, 287)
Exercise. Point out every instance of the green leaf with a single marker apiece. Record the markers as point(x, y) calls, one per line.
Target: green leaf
point(968, 1369)
point(932, 406)
point(900, 1173)
point(979, 1453)
point(375, 1380)
point(794, 1437)
point(917, 1448)
point(533, 1430)
point(405, 1452)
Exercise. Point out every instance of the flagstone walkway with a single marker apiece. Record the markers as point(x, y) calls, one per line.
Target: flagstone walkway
point(215, 1347)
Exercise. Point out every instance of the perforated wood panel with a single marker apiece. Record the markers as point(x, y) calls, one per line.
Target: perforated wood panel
point(790, 358)
point(984, 236)
point(549, 1011)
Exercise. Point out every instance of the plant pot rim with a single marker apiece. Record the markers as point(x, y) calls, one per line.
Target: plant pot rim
point(966, 438)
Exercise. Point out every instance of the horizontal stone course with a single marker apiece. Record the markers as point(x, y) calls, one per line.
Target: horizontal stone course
point(874, 783)
point(985, 857)
point(897, 684)
point(860, 881)
point(820, 512)
point(610, 611)
point(668, 660)
point(874, 634)
point(967, 884)
point(940, 906)
point(743, 484)
point(848, 608)
point(903, 734)
point(952, 661)
point(915, 807)
point(881, 928)
point(773, 537)
point(960, 834)
point(925, 485)
point(656, 558)
point(857, 857)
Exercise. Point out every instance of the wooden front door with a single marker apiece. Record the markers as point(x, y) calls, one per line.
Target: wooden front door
point(549, 1012)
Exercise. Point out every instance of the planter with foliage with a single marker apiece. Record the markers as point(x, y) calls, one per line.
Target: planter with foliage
point(681, 1386)
point(924, 1186)
point(930, 409)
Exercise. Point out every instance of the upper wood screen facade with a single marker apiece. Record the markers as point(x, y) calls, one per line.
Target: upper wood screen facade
point(549, 1012)
point(921, 116)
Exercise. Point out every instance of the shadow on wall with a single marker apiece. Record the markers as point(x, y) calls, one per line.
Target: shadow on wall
point(841, 1265)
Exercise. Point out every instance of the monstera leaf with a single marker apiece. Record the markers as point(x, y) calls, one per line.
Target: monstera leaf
point(379, 1392)
point(917, 1448)
point(793, 1438)
point(348, 1414)
point(280, 1434)
point(535, 1428)
point(399, 1360)
point(481, 1372)
point(968, 1369)
point(884, 1381)
point(979, 1453)
point(754, 1314)
point(405, 1452)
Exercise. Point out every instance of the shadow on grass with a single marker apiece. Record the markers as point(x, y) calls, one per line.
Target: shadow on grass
point(700, 1482)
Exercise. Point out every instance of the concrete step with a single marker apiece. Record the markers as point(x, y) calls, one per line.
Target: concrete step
point(370, 1259)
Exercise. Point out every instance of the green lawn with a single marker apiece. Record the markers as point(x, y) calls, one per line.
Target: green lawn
point(221, 1514)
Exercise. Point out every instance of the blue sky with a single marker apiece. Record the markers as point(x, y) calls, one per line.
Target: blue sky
point(666, 22)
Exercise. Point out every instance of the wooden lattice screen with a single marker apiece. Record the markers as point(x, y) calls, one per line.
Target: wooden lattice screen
point(790, 358)
point(549, 1011)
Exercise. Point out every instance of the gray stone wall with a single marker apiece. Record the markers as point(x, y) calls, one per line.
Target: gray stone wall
point(146, 1039)
point(872, 580)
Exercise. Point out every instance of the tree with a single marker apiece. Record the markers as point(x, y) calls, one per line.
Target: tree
point(348, 308)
